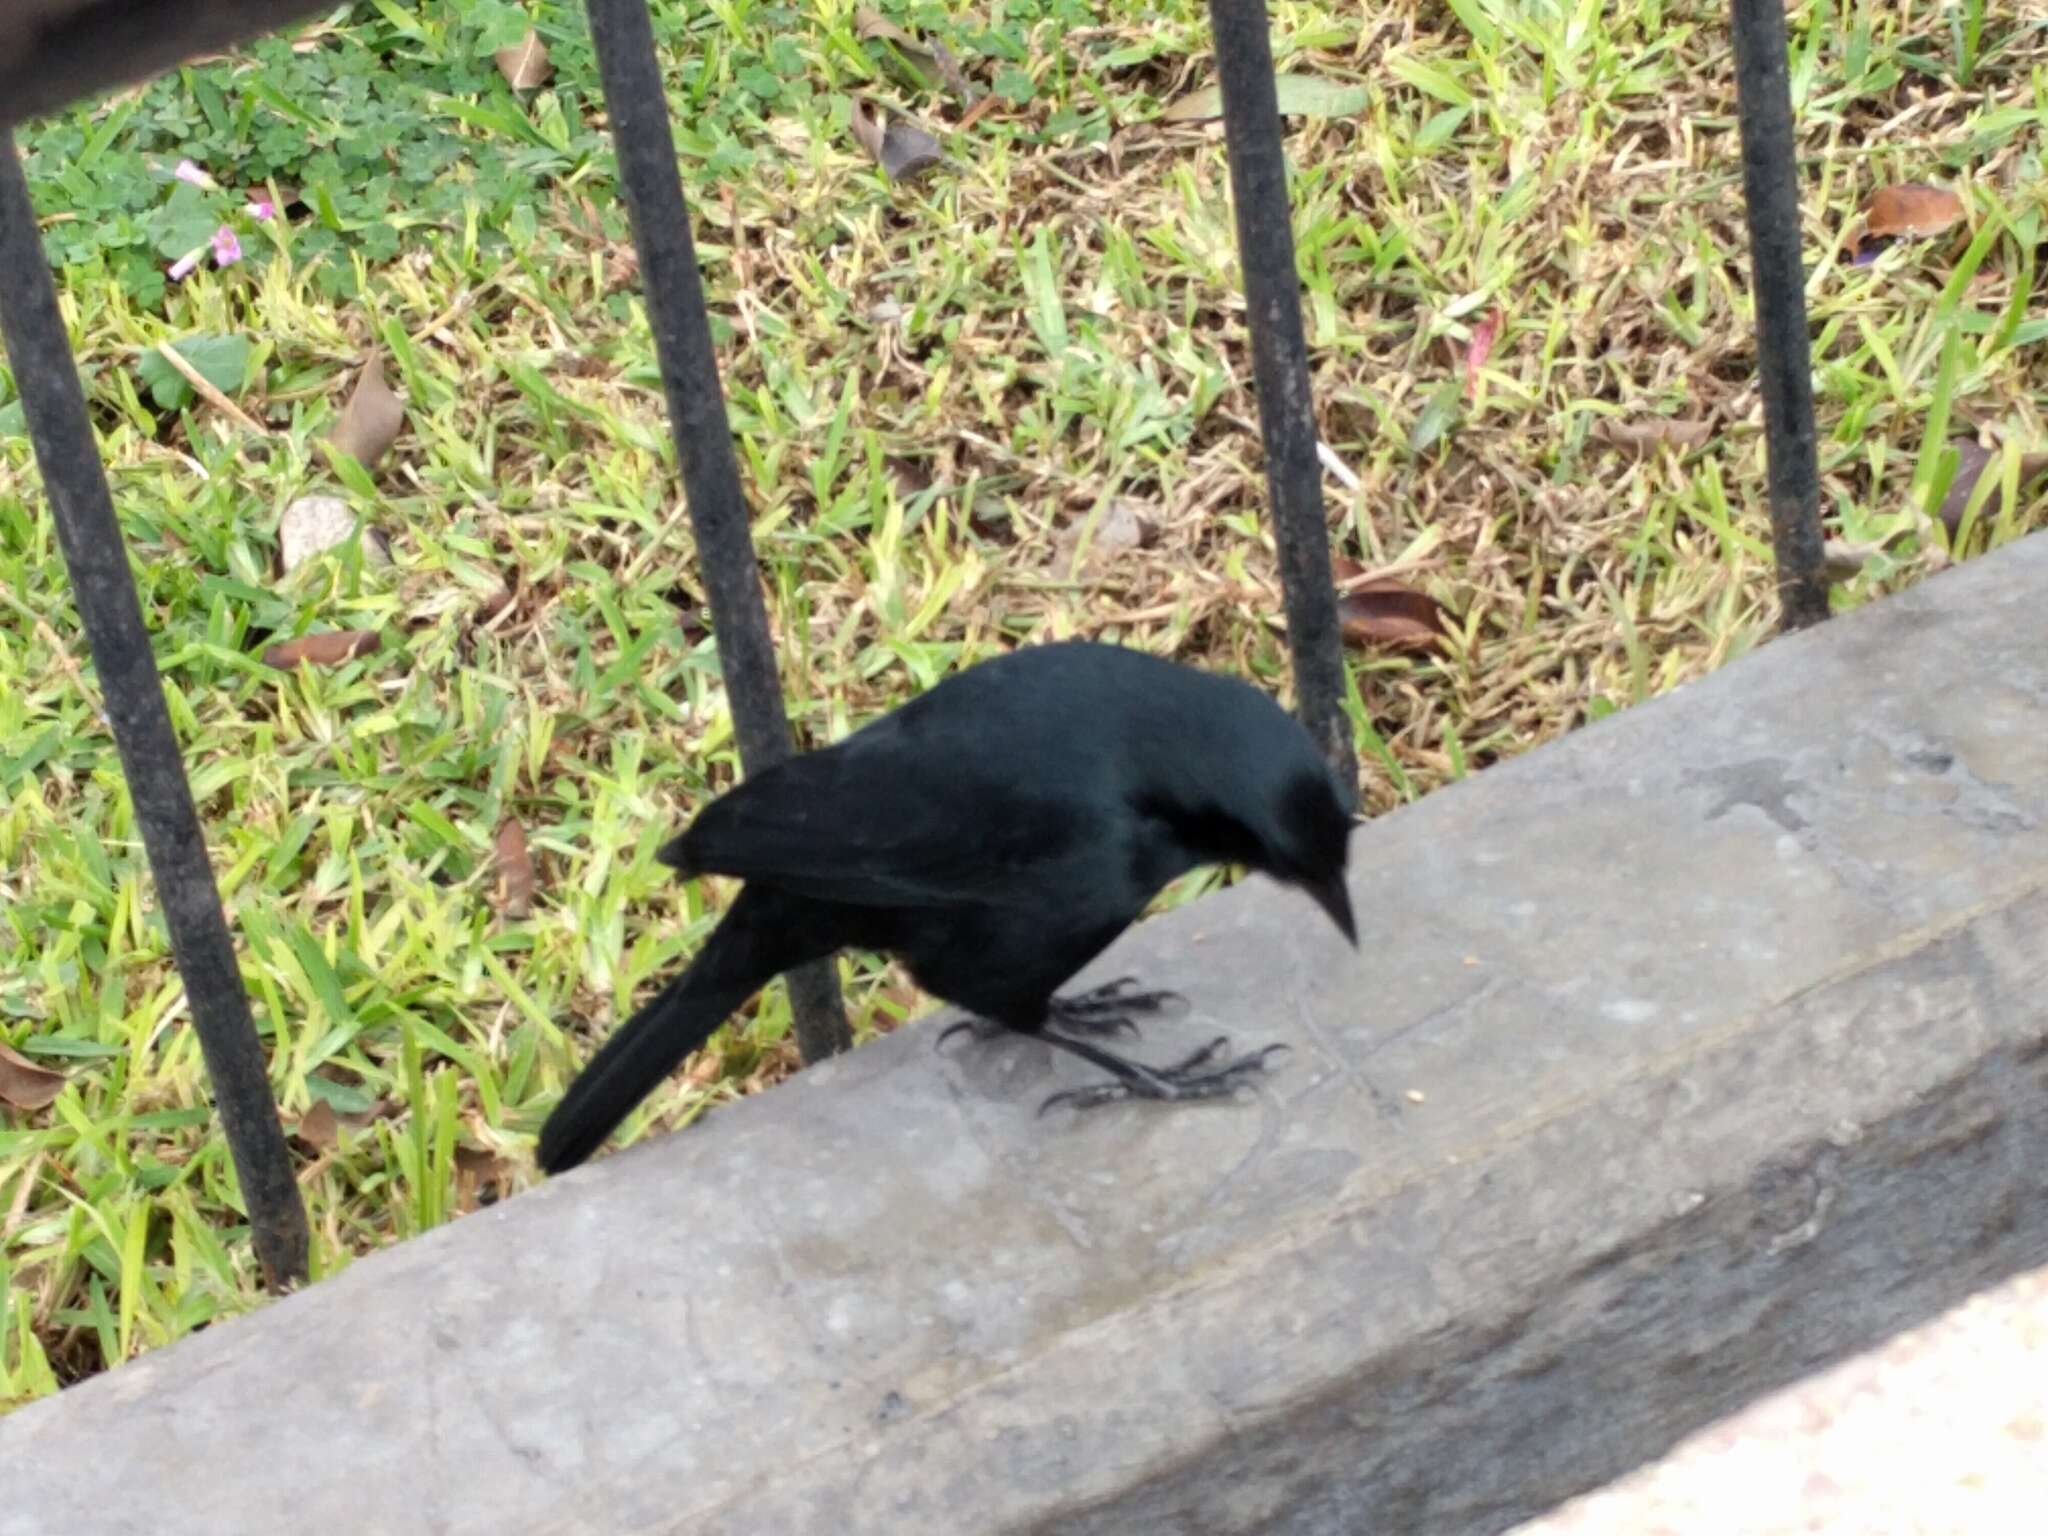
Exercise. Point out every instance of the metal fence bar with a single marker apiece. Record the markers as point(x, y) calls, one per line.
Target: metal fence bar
point(96, 556)
point(631, 72)
point(1784, 357)
point(1265, 243)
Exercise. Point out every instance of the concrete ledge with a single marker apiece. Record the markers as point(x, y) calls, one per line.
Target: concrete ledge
point(55, 52)
point(1688, 1055)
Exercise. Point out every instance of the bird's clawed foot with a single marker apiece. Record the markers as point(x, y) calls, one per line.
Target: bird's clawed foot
point(1199, 1076)
point(1074, 1024)
point(1108, 1008)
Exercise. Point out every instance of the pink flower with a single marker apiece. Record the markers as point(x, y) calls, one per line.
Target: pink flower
point(227, 250)
point(187, 171)
point(182, 267)
point(262, 210)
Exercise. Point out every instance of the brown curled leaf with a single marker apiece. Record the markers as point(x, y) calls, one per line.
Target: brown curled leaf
point(1380, 611)
point(1911, 210)
point(319, 1127)
point(899, 146)
point(372, 419)
point(871, 23)
point(1387, 614)
point(24, 1083)
point(1973, 461)
point(330, 648)
point(525, 65)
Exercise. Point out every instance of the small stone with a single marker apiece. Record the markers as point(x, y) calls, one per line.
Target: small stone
point(312, 525)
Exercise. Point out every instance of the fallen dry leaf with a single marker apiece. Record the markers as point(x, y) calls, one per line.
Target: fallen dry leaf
point(1912, 208)
point(934, 55)
point(1908, 211)
point(372, 419)
point(902, 149)
point(871, 23)
point(1649, 432)
point(328, 649)
point(525, 65)
point(1385, 613)
point(1381, 611)
point(1483, 335)
point(1973, 460)
point(24, 1084)
point(319, 1127)
point(515, 870)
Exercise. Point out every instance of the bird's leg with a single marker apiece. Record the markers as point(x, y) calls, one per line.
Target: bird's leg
point(1195, 1077)
point(1205, 1074)
point(1101, 1010)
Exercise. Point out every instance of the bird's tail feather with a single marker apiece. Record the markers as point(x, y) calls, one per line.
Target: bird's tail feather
point(731, 968)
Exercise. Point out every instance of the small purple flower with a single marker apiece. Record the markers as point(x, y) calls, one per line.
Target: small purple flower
point(227, 250)
point(187, 171)
point(263, 210)
point(182, 267)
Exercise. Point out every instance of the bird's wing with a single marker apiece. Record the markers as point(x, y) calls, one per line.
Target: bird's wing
point(882, 828)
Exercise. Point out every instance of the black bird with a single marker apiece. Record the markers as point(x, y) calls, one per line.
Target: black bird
point(996, 833)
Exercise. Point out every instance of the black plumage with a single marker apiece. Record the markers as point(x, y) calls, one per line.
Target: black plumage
point(995, 834)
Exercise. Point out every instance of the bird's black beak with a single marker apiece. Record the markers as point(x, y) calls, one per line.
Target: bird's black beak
point(1330, 894)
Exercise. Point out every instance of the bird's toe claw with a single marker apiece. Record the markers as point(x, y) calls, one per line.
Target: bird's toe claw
point(1208, 1073)
point(1108, 1009)
point(950, 1031)
point(1089, 1097)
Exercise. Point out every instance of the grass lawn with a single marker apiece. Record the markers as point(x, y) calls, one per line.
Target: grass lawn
point(1002, 401)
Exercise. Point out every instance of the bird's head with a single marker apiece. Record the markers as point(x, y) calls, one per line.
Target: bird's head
point(1308, 841)
point(1258, 793)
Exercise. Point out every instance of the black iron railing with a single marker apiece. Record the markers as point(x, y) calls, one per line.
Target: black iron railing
point(66, 49)
point(1784, 358)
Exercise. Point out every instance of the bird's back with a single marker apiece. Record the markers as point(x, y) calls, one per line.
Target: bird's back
point(1075, 708)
